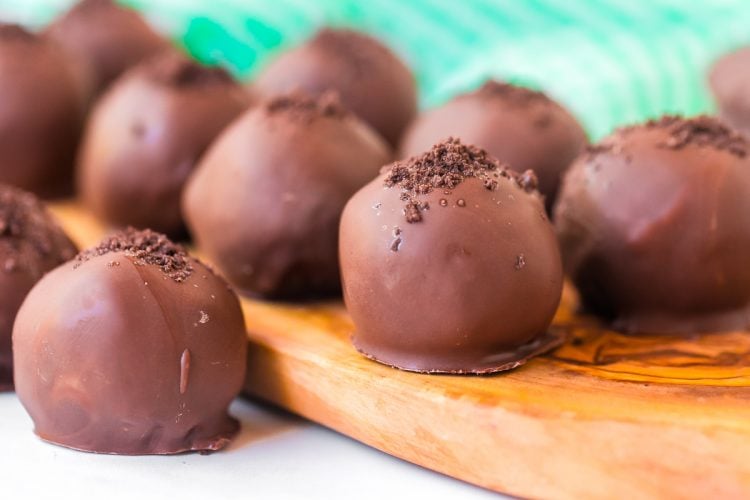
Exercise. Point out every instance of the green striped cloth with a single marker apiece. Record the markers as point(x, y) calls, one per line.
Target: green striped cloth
point(610, 61)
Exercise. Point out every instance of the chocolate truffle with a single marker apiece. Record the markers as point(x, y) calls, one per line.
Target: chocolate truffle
point(265, 202)
point(145, 136)
point(450, 265)
point(133, 348)
point(519, 126)
point(730, 84)
point(654, 224)
point(371, 81)
point(41, 115)
point(31, 243)
point(108, 38)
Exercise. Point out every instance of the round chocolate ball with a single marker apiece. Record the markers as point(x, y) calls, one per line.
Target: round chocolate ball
point(654, 224)
point(133, 348)
point(265, 202)
point(371, 81)
point(31, 243)
point(106, 37)
point(145, 136)
point(519, 126)
point(730, 83)
point(450, 264)
point(41, 115)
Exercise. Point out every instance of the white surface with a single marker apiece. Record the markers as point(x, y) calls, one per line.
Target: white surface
point(275, 456)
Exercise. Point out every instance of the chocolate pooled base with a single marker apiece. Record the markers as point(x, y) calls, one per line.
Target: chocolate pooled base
point(145, 136)
point(133, 348)
point(654, 225)
point(518, 126)
point(265, 202)
point(450, 265)
point(370, 79)
point(31, 243)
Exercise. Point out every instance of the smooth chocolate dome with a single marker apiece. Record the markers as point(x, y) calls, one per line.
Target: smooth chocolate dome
point(265, 202)
point(41, 115)
point(133, 348)
point(730, 83)
point(654, 224)
point(449, 264)
point(518, 126)
point(106, 37)
point(371, 81)
point(146, 135)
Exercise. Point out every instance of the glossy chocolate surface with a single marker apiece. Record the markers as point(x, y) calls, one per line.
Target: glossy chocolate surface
point(654, 224)
point(147, 133)
point(730, 83)
point(265, 202)
point(31, 243)
point(520, 127)
point(449, 264)
point(132, 348)
point(371, 81)
point(41, 115)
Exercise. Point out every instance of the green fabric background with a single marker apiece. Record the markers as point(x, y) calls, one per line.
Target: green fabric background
point(610, 61)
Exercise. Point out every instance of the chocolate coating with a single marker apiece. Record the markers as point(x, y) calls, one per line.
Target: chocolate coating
point(31, 243)
point(449, 264)
point(265, 202)
point(730, 83)
point(133, 348)
point(519, 126)
point(654, 224)
point(145, 136)
point(41, 115)
point(370, 79)
point(107, 37)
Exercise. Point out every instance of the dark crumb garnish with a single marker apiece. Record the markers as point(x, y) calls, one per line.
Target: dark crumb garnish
point(703, 131)
point(445, 166)
point(514, 94)
point(177, 70)
point(145, 248)
point(28, 232)
point(306, 107)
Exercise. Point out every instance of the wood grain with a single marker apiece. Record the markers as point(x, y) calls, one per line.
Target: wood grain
point(605, 415)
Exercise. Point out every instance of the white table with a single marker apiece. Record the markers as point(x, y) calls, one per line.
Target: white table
point(275, 456)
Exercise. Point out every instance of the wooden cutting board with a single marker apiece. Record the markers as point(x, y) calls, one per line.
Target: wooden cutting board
point(605, 415)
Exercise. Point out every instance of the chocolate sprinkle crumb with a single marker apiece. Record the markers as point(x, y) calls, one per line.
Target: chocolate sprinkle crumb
point(145, 248)
point(446, 166)
point(28, 233)
point(700, 131)
point(304, 106)
point(514, 94)
point(176, 70)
